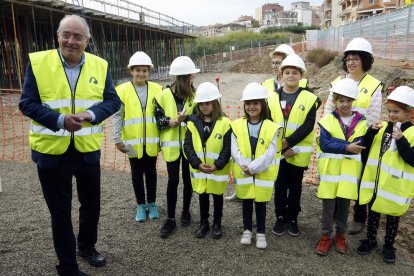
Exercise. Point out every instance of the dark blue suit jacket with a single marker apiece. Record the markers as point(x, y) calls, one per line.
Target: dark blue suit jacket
point(31, 106)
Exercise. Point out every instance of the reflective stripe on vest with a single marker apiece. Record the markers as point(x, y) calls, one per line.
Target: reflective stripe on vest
point(216, 182)
point(57, 95)
point(172, 139)
point(259, 188)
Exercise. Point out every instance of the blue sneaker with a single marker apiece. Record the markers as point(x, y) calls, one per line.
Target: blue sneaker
point(153, 211)
point(141, 213)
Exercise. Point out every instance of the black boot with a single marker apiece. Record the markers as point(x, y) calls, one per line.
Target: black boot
point(202, 229)
point(216, 232)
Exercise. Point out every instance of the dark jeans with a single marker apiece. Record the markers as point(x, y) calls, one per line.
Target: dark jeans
point(57, 190)
point(260, 215)
point(288, 191)
point(360, 212)
point(205, 206)
point(173, 169)
point(140, 166)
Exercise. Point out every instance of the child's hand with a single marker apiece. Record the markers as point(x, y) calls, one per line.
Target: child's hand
point(396, 133)
point(121, 147)
point(289, 153)
point(354, 147)
point(285, 143)
point(246, 170)
point(173, 123)
point(204, 168)
point(377, 126)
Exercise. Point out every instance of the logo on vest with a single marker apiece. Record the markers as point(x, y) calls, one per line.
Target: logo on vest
point(218, 136)
point(301, 107)
point(93, 80)
point(261, 141)
point(364, 90)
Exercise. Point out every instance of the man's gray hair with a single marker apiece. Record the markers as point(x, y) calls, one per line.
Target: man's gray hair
point(81, 19)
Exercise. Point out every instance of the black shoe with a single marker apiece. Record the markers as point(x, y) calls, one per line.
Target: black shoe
point(292, 228)
point(388, 254)
point(366, 246)
point(93, 257)
point(202, 230)
point(70, 272)
point(279, 227)
point(185, 219)
point(216, 233)
point(168, 228)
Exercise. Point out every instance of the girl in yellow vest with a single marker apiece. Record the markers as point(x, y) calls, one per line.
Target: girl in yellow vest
point(357, 62)
point(173, 105)
point(387, 184)
point(339, 164)
point(294, 108)
point(254, 145)
point(136, 133)
point(207, 147)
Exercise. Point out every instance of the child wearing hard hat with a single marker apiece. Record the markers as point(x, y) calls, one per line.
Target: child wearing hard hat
point(277, 56)
point(387, 184)
point(339, 164)
point(357, 62)
point(294, 108)
point(254, 144)
point(173, 105)
point(136, 134)
point(208, 150)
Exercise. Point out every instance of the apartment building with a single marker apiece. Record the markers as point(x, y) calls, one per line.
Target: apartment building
point(304, 12)
point(330, 16)
point(266, 9)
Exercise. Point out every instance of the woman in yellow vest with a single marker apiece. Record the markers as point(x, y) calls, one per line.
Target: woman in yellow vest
point(356, 62)
point(173, 105)
point(136, 132)
point(387, 184)
point(339, 164)
point(294, 108)
point(207, 147)
point(254, 145)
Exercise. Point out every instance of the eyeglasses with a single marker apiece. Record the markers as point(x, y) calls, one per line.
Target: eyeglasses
point(352, 60)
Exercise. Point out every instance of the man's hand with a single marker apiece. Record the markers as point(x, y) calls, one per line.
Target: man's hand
point(85, 116)
point(354, 147)
point(121, 147)
point(73, 122)
point(289, 153)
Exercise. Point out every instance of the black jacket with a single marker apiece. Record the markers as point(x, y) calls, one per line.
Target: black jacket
point(192, 157)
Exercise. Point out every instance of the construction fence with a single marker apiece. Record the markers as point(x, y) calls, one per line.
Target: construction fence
point(391, 35)
point(14, 138)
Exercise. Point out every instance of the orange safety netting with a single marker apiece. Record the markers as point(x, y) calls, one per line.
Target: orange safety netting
point(14, 138)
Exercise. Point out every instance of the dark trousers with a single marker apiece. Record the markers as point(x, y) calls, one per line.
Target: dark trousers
point(260, 215)
point(288, 191)
point(205, 206)
point(57, 190)
point(173, 169)
point(360, 212)
point(146, 165)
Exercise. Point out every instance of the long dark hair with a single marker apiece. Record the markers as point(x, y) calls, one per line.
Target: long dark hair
point(217, 111)
point(264, 113)
point(183, 88)
point(366, 58)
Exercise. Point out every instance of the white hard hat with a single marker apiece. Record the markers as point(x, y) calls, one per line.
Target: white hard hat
point(207, 92)
point(295, 61)
point(403, 94)
point(254, 91)
point(283, 49)
point(140, 58)
point(183, 65)
point(359, 44)
point(346, 87)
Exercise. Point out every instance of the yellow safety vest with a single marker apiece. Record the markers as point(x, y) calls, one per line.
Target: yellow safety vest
point(55, 92)
point(366, 87)
point(339, 173)
point(172, 139)
point(260, 186)
point(389, 177)
point(140, 129)
point(216, 182)
point(270, 85)
point(304, 102)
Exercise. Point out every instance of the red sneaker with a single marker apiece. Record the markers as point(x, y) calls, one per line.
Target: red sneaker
point(340, 243)
point(323, 246)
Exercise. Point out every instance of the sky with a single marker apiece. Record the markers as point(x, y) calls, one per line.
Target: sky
point(209, 12)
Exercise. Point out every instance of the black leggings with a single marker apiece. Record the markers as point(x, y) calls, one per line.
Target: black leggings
point(140, 166)
point(260, 215)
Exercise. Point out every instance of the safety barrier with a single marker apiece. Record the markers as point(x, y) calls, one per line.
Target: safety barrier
point(14, 134)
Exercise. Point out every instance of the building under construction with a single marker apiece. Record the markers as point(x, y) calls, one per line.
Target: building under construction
point(118, 28)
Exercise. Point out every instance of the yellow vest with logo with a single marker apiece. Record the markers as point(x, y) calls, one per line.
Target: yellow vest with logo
point(216, 182)
point(389, 177)
point(140, 128)
point(269, 85)
point(339, 173)
point(55, 92)
point(366, 87)
point(260, 186)
point(172, 139)
point(300, 109)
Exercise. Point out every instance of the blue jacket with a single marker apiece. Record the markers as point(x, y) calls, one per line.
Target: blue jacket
point(31, 106)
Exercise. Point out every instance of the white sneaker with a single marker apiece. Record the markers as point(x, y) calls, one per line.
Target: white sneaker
point(261, 241)
point(246, 238)
point(231, 197)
